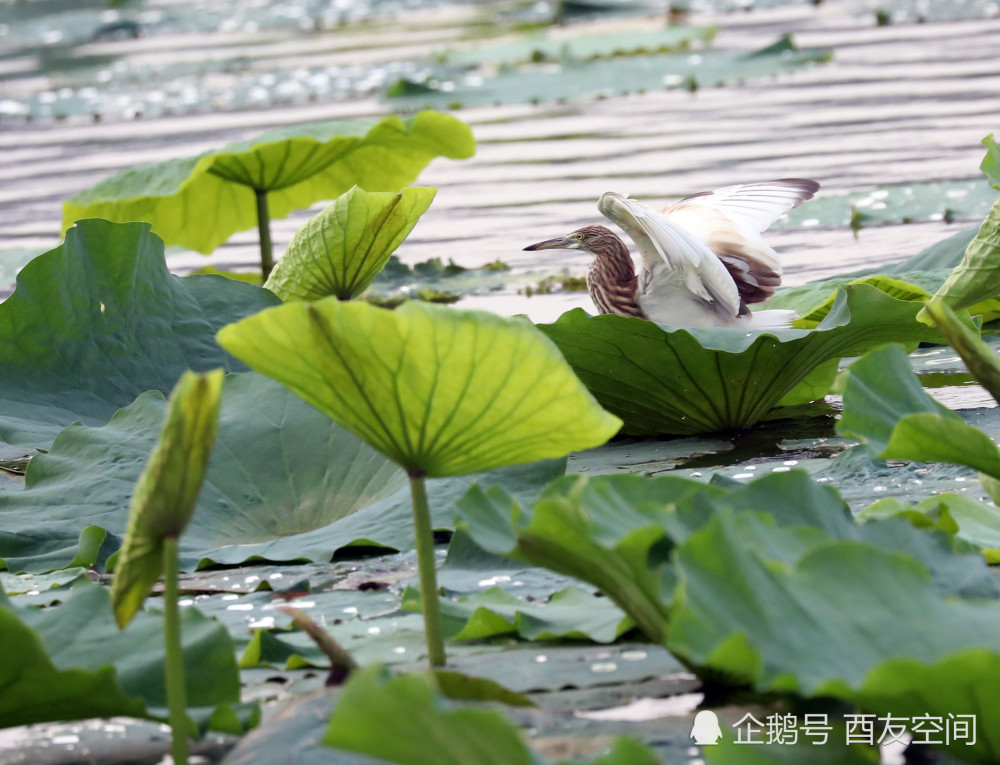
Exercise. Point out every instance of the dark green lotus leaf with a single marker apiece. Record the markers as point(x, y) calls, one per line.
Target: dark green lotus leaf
point(201, 201)
point(165, 494)
point(441, 392)
point(408, 720)
point(340, 250)
point(284, 483)
point(683, 381)
point(846, 620)
point(98, 320)
point(885, 405)
point(71, 662)
point(966, 519)
point(570, 613)
point(618, 532)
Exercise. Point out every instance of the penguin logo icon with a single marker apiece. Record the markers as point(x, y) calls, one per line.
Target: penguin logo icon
point(706, 730)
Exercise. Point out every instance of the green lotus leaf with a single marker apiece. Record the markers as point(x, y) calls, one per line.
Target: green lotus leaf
point(71, 662)
point(408, 720)
point(964, 518)
point(284, 483)
point(683, 381)
point(166, 492)
point(812, 307)
point(618, 533)
point(817, 626)
point(885, 406)
point(569, 613)
point(340, 250)
point(99, 320)
point(977, 277)
point(991, 162)
point(201, 201)
point(439, 391)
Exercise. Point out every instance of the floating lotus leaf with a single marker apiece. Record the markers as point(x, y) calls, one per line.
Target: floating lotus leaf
point(201, 201)
point(665, 380)
point(99, 320)
point(340, 250)
point(439, 391)
point(570, 613)
point(71, 662)
point(284, 483)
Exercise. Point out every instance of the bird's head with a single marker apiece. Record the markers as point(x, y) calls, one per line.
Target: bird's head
point(593, 239)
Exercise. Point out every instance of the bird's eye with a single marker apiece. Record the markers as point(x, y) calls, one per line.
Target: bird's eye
point(578, 236)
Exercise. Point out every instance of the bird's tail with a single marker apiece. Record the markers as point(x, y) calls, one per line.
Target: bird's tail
point(775, 318)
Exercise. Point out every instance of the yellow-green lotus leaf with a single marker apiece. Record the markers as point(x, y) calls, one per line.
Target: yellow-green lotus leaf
point(440, 391)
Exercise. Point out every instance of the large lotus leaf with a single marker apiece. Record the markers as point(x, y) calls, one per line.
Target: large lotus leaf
point(977, 277)
point(682, 381)
point(408, 720)
point(439, 391)
point(617, 533)
point(813, 301)
point(569, 613)
point(284, 483)
point(846, 620)
point(576, 79)
point(341, 249)
point(98, 320)
point(165, 494)
point(885, 405)
point(925, 271)
point(71, 662)
point(201, 201)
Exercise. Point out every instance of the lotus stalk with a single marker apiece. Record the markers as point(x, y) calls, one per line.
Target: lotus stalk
point(427, 567)
point(176, 691)
point(264, 231)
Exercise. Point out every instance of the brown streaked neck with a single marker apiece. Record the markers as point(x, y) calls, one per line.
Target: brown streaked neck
point(611, 278)
point(612, 258)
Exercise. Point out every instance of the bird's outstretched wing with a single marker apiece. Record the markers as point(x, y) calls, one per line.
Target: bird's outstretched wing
point(667, 247)
point(730, 221)
point(755, 205)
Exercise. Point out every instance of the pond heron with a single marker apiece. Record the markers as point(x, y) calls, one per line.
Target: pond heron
point(703, 259)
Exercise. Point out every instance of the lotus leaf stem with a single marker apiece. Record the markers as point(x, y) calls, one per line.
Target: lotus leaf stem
point(176, 696)
point(428, 571)
point(264, 229)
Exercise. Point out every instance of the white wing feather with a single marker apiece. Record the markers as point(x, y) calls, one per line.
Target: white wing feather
point(755, 205)
point(665, 245)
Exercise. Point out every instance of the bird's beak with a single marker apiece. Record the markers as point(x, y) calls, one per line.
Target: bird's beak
point(559, 243)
